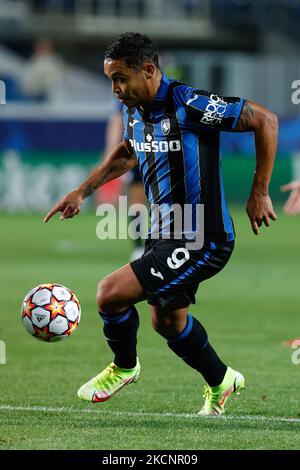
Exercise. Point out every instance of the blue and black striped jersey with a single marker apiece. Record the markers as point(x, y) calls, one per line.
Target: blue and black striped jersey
point(177, 143)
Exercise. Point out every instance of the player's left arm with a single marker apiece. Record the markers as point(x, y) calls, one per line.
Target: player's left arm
point(264, 124)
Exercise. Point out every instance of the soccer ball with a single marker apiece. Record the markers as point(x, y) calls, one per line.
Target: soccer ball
point(50, 312)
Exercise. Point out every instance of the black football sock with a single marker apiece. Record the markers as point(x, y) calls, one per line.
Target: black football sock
point(120, 330)
point(193, 347)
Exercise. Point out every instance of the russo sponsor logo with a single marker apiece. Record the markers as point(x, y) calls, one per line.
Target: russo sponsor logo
point(155, 146)
point(214, 111)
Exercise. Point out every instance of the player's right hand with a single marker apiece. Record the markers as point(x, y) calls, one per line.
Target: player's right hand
point(69, 206)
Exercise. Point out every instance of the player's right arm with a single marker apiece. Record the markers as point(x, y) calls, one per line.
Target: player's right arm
point(118, 162)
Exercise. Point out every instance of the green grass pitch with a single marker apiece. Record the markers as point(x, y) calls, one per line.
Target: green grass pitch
point(249, 309)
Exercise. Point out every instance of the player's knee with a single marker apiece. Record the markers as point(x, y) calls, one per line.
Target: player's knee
point(106, 294)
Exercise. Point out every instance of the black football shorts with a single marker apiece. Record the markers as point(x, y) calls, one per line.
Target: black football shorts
point(170, 274)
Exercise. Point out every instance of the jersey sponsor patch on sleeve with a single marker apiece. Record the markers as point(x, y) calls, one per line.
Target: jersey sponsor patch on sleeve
point(211, 110)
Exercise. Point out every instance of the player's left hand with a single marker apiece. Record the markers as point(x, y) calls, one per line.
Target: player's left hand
point(260, 210)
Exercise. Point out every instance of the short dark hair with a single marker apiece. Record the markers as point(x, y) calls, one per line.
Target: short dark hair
point(134, 48)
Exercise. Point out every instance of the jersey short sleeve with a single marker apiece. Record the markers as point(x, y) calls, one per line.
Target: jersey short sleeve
point(209, 110)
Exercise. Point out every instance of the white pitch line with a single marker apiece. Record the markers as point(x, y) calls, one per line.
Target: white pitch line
point(148, 414)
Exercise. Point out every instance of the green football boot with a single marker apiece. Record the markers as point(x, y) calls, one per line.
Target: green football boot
point(108, 382)
point(216, 397)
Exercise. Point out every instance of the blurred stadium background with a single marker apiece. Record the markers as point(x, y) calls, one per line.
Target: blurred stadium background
point(52, 131)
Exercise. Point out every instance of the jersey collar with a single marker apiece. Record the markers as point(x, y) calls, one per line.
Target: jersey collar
point(162, 92)
point(160, 97)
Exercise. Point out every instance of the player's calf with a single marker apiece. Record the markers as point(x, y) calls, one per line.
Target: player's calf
point(120, 331)
point(192, 345)
point(168, 324)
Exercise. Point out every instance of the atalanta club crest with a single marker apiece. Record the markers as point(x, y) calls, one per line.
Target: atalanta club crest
point(165, 126)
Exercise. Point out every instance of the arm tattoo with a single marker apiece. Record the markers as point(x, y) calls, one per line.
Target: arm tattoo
point(245, 122)
point(88, 190)
point(91, 187)
point(123, 164)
